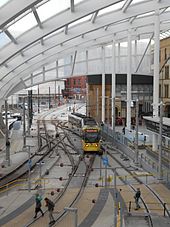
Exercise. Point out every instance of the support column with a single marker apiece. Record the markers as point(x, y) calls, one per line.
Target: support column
point(103, 84)
point(7, 134)
point(118, 51)
point(135, 54)
point(49, 98)
point(136, 133)
point(87, 62)
point(129, 88)
point(97, 104)
point(38, 99)
point(156, 74)
point(113, 85)
point(55, 100)
point(160, 142)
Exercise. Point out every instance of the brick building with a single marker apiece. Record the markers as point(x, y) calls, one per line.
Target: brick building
point(75, 87)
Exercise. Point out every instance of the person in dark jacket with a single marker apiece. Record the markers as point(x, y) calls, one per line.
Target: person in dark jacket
point(38, 205)
point(50, 206)
point(136, 197)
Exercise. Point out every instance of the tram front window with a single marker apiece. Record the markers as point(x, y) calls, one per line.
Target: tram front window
point(92, 137)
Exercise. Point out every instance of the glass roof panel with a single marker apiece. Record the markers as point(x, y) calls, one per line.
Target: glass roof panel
point(165, 34)
point(50, 8)
point(86, 18)
point(111, 8)
point(3, 2)
point(22, 25)
point(78, 1)
point(146, 14)
point(137, 1)
point(3, 39)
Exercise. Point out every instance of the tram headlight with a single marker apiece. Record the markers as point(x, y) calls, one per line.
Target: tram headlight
point(96, 145)
point(87, 145)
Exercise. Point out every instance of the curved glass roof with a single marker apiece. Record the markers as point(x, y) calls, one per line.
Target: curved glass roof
point(36, 33)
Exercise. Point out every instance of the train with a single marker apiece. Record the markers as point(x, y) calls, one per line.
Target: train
point(89, 130)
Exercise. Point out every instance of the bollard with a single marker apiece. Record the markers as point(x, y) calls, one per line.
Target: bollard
point(130, 204)
point(164, 208)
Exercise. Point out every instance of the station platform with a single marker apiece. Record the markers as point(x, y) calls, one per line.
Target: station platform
point(97, 204)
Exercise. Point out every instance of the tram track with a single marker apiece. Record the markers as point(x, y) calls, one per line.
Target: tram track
point(154, 206)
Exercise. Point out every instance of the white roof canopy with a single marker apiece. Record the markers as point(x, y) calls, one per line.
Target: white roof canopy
point(37, 33)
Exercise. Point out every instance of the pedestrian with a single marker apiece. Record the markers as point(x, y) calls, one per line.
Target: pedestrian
point(136, 197)
point(38, 205)
point(50, 206)
point(123, 130)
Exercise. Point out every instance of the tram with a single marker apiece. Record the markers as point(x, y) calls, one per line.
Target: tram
point(89, 131)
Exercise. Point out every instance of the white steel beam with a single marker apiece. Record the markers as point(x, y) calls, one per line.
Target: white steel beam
point(37, 17)
point(13, 9)
point(87, 8)
point(10, 36)
point(126, 5)
point(140, 23)
point(72, 5)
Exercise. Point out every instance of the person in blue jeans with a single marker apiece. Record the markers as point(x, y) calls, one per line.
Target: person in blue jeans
point(38, 205)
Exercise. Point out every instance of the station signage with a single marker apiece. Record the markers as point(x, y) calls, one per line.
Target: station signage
point(154, 127)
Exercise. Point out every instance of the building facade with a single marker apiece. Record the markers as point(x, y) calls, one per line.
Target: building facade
point(142, 89)
point(164, 82)
point(75, 87)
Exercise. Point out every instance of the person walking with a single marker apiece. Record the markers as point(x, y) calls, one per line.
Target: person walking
point(38, 205)
point(136, 197)
point(50, 206)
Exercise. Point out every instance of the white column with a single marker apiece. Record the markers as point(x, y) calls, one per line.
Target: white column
point(129, 62)
point(135, 55)
point(113, 84)
point(87, 62)
point(103, 84)
point(118, 52)
point(156, 74)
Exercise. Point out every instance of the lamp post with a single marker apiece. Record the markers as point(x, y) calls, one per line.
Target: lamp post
point(7, 134)
point(24, 129)
point(160, 141)
point(136, 133)
point(29, 166)
point(40, 169)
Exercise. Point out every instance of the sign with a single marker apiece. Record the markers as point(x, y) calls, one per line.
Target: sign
point(105, 161)
point(91, 130)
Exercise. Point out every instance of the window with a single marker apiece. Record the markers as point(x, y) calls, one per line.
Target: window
point(79, 82)
point(74, 81)
point(167, 72)
point(166, 90)
point(160, 95)
point(165, 54)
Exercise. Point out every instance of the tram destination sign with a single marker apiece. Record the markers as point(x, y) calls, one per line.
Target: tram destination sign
point(154, 127)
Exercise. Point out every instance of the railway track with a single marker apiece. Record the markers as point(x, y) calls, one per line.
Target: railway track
point(151, 203)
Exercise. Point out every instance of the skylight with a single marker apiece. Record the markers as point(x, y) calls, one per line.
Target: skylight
point(3, 2)
point(86, 18)
point(22, 25)
point(137, 1)
point(51, 8)
point(3, 39)
point(111, 8)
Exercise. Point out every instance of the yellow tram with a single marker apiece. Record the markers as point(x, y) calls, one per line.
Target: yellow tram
point(89, 130)
point(91, 139)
